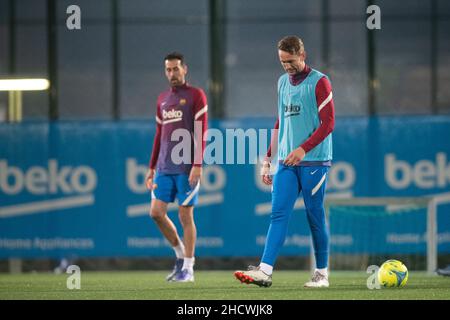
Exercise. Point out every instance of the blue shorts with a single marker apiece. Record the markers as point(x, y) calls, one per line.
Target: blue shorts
point(169, 186)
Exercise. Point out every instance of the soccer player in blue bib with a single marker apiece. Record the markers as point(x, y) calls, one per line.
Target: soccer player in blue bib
point(181, 107)
point(305, 122)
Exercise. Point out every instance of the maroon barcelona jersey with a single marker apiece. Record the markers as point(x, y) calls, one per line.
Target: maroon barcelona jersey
point(178, 107)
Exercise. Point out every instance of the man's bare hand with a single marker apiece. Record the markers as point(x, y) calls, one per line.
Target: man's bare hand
point(295, 157)
point(149, 179)
point(265, 173)
point(195, 175)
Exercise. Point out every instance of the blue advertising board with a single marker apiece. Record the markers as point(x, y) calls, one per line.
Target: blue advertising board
point(77, 188)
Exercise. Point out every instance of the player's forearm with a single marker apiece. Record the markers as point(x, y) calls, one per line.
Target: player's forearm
point(156, 148)
point(273, 139)
point(201, 142)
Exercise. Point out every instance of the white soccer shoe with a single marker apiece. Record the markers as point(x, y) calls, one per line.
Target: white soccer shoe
point(318, 280)
point(254, 276)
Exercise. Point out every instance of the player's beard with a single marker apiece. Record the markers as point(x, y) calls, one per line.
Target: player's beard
point(176, 82)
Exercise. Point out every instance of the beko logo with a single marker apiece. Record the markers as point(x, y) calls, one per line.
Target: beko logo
point(75, 185)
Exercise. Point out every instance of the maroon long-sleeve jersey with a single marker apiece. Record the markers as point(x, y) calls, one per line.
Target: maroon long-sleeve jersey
point(182, 107)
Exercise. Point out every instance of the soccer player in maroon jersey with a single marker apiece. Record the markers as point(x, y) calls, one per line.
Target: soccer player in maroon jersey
point(181, 107)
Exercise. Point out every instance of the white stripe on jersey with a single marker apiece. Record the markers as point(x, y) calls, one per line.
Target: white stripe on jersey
point(172, 120)
point(201, 111)
point(324, 103)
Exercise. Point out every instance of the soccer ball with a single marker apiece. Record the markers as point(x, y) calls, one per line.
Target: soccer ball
point(392, 273)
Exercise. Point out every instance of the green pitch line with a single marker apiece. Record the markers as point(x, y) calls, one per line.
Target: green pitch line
point(215, 285)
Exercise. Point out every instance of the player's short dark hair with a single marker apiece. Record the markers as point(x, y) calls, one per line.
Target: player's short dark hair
point(291, 44)
point(175, 56)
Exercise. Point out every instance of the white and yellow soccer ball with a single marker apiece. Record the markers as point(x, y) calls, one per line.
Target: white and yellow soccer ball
point(393, 273)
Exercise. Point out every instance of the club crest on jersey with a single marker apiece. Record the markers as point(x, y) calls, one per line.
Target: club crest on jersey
point(182, 102)
point(292, 110)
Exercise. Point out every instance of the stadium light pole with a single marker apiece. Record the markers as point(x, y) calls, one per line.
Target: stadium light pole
point(434, 56)
point(12, 37)
point(52, 58)
point(115, 59)
point(15, 88)
point(217, 39)
point(372, 83)
point(326, 31)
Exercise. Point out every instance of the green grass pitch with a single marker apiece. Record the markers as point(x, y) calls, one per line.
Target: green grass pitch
point(213, 285)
